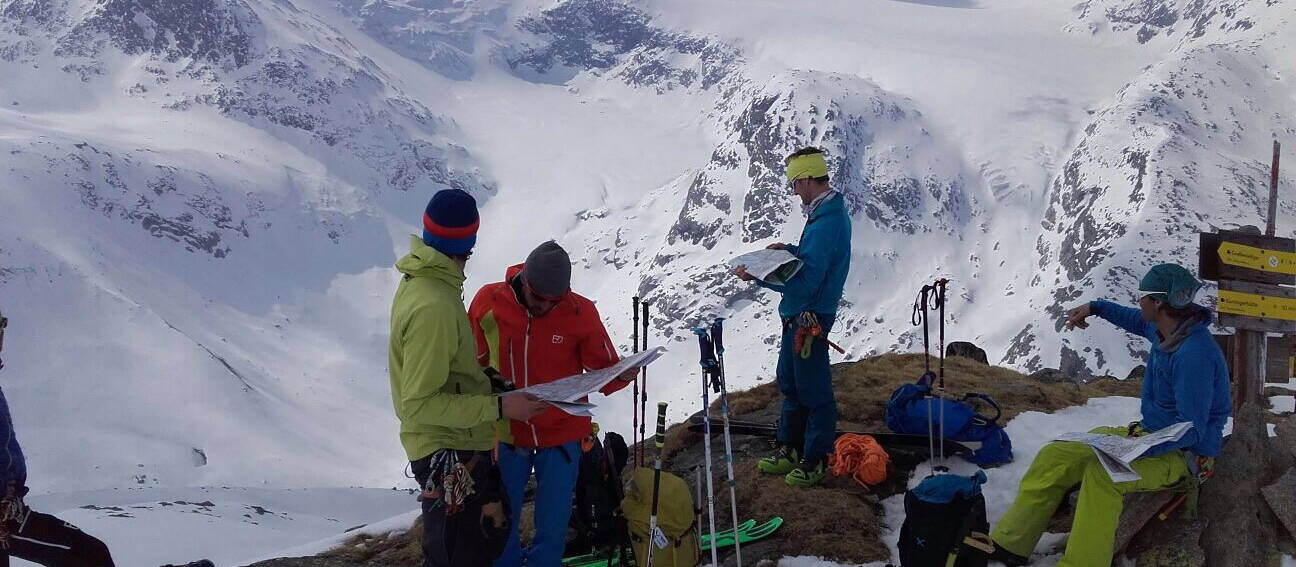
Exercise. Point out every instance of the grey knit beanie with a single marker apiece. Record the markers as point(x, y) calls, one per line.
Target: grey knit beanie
point(548, 270)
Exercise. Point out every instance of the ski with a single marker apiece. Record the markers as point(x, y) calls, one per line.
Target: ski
point(897, 441)
point(725, 535)
point(749, 531)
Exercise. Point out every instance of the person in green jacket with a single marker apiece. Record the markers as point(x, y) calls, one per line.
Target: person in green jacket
point(444, 401)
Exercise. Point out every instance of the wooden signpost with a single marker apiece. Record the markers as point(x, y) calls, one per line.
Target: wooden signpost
point(1255, 273)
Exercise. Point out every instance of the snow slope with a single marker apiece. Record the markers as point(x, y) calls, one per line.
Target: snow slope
point(201, 200)
point(230, 526)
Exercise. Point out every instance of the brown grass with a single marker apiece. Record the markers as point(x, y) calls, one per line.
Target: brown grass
point(862, 389)
point(678, 438)
point(748, 401)
point(405, 548)
point(837, 520)
point(388, 549)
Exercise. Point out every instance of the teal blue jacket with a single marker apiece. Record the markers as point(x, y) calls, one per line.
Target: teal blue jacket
point(825, 252)
point(1184, 381)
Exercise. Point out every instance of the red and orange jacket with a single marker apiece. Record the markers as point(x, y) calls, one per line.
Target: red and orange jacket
point(567, 340)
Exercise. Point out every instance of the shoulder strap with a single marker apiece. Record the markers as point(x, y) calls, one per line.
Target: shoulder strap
point(966, 537)
point(988, 400)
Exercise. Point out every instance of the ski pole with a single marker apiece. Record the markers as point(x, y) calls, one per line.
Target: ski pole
point(920, 318)
point(643, 401)
point(697, 507)
point(636, 442)
point(655, 537)
point(708, 364)
point(940, 299)
point(717, 340)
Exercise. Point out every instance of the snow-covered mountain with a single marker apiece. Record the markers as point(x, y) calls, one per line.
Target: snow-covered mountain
point(200, 200)
point(1184, 148)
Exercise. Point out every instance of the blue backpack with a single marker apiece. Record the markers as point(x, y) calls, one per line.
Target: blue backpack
point(908, 412)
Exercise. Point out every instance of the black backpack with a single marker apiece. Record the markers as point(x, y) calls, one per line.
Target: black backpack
point(945, 518)
point(596, 506)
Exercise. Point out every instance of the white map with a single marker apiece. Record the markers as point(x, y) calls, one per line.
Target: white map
point(567, 393)
point(1116, 452)
point(773, 266)
point(583, 409)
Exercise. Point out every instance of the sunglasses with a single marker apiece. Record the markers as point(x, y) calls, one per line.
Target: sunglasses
point(461, 257)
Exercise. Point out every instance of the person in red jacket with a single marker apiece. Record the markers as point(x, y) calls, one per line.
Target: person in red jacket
point(533, 329)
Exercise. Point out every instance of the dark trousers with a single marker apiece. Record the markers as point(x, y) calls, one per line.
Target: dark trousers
point(465, 538)
point(808, 421)
point(46, 540)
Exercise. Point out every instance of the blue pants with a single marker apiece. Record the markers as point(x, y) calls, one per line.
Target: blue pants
point(555, 470)
point(808, 421)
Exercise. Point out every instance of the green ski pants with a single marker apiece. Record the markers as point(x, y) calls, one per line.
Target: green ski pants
point(1061, 465)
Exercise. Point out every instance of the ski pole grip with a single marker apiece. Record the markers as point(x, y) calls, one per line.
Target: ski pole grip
point(646, 321)
point(704, 345)
point(717, 334)
point(634, 327)
point(661, 425)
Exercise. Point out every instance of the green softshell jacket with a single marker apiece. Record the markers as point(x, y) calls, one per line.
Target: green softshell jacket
point(441, 396)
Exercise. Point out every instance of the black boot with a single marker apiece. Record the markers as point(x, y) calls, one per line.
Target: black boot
point(1007, 557)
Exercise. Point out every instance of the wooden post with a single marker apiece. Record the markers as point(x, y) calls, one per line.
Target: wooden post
point(1273, 191)
point(1250, 361)
point(1251, 349)
point(1233, 498)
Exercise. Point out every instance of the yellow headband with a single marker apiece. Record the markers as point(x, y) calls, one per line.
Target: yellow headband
point(809, 165)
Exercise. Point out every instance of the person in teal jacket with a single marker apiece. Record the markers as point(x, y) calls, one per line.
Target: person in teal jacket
point(1187, 380)
point(808, 421)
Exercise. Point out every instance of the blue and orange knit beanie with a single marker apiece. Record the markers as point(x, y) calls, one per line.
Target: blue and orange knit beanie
point(450, 222)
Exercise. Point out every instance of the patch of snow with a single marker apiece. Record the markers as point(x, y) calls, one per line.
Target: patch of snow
point(230, 526)
point(1282, 404)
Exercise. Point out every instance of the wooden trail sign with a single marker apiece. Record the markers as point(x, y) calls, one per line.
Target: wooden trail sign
point(1241, 255)
point(1252, 270)
point(1213, 265)
point(1257, 307)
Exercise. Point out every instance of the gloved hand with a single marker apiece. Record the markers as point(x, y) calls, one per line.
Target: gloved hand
point(499, 382)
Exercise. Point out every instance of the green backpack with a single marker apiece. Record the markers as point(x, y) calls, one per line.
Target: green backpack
point(675, 518)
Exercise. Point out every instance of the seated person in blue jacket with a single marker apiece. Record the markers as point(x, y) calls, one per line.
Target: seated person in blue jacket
point(1187, 379)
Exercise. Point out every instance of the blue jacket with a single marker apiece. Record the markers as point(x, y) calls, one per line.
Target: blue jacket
point(825, 251)
point(12, 466)
point(1187, 381)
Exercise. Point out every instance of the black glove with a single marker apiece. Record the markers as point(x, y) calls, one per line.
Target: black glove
point(499, 382)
